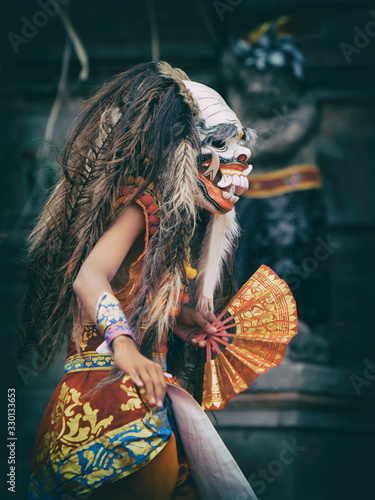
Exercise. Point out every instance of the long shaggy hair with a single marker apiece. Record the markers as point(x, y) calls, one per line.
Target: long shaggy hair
point(143, 123)
point(183, 360)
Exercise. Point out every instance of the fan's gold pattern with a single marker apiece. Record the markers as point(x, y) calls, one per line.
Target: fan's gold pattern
point(265, 314)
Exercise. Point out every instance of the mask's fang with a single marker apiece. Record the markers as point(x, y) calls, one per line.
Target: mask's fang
point(248, 170)
point(211, 171)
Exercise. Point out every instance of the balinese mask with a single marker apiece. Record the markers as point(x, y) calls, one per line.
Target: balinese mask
point(222, 178)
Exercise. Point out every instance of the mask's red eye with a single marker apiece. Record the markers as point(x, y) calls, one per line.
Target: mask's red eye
point(242, 158)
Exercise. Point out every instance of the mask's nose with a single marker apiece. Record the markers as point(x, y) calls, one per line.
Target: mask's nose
point(242, 154)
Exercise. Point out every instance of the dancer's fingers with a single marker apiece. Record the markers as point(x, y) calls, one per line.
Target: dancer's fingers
point(149, 386)
point(136, 379)
point(210, 316)
point(203, 323)
point(160, 385)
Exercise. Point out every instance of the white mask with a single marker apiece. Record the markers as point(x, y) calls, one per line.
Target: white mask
point(225, 151)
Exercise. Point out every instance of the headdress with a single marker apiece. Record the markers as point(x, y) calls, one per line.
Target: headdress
point(140, 124)
point(143, 124)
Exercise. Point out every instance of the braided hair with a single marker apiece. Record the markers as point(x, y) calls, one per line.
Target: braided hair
point(143, 113)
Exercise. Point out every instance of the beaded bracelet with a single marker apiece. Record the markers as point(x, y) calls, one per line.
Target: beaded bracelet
point(111, 319)
point(117, 329)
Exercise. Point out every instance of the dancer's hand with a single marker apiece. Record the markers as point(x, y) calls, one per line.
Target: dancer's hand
point(144, 372)
point(191, 322)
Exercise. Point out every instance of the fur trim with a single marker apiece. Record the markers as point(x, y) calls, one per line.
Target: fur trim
point(218, 244)
point(178, 218)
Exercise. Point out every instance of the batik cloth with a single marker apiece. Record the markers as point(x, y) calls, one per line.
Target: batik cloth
point(87, 439)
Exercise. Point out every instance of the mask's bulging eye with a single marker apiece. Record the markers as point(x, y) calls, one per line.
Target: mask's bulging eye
point(218, 144)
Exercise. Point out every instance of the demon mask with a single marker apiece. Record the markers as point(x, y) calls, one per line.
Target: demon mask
point(222, 178)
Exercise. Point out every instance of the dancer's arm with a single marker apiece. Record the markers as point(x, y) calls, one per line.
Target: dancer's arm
point(106, 257)
point(94, 278)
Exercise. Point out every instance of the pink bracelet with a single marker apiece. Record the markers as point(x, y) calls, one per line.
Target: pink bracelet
point(117, 329)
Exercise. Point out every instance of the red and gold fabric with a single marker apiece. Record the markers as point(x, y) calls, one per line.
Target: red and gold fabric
point(282, 181)
point(86, 439)
point(90, 437)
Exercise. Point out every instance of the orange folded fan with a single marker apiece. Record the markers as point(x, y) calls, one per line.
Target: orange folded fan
point(263, 316)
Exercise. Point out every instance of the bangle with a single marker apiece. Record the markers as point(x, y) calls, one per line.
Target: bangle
point(108, 311)
point(111, 319)
point(117, 329)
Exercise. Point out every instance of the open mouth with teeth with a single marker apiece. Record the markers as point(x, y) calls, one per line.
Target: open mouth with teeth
point(229, 183)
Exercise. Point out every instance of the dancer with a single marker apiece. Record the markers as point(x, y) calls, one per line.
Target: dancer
point(143, 209)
